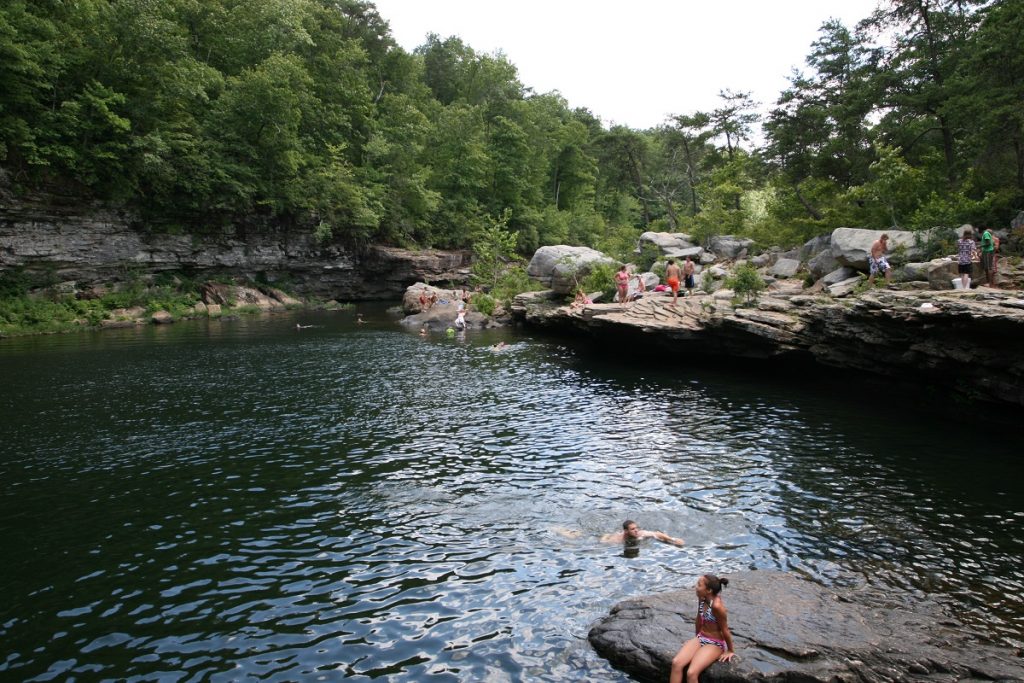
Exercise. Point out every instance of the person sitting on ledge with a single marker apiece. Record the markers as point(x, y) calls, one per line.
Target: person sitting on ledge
point(713, 641)
point(581, 299)
point(631, 533)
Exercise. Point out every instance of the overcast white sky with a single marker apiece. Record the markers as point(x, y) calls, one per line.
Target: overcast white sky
point(634, 63)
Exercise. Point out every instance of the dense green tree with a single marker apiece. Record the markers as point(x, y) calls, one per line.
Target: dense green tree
point(989, 87)
point(204, 112)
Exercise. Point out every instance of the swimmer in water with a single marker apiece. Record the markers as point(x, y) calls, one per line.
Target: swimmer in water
point(631, 534)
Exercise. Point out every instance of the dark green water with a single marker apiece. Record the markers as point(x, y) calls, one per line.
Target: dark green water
point(239, 499)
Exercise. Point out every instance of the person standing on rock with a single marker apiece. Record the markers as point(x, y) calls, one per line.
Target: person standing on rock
point(877, 262)
point(622, 284)
point(460, 315)
point(988, 256)
point(965, 252)
point(672, 278)
point(713, 641)
point(688, 270)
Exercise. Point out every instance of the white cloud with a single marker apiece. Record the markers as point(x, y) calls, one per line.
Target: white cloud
point(634, 63)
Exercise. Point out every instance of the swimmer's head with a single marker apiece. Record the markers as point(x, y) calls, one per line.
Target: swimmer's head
point(630, 529)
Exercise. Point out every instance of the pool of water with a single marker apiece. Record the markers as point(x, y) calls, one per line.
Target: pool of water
point(220, 500)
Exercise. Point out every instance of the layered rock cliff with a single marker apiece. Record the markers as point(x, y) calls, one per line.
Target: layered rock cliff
point(87, 243)
point(964, 342)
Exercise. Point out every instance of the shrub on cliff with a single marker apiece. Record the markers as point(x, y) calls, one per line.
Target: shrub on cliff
point(601, 278)
point(746, 282)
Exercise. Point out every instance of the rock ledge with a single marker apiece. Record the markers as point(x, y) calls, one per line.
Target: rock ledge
point(787, 629)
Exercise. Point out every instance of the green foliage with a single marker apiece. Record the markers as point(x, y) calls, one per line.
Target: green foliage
point(649, 253)
point(600, 278)
point(308, 113)
point(513, 281)
point(493, 251)
point(619, 243)
point(746, 282)
point(484, 303)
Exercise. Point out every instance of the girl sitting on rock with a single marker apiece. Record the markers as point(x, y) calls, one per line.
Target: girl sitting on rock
point(713, 641)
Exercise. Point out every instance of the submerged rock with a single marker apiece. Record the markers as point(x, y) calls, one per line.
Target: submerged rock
point(786, 628)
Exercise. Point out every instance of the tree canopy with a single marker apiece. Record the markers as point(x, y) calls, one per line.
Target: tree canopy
point(198, 112)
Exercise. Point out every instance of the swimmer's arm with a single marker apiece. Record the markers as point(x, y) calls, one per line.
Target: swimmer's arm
point(665, 538)
point(615, 537)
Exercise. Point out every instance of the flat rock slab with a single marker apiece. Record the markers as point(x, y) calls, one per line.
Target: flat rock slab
point(788, 629)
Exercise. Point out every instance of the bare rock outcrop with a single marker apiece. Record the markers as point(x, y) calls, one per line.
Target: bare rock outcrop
point(852, 246)
point(560, 266)
point(91, 244)
point(963, 342)
point(788, 629)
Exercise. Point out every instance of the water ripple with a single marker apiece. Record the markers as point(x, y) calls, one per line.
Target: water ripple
point(218, 502)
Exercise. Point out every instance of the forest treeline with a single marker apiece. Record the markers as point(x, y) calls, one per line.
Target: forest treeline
point(197, 112)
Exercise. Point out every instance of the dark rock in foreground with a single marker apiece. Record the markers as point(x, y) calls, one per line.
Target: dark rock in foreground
point(787, 629)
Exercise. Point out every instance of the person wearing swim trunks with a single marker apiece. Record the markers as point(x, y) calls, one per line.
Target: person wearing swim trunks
point(688, 271)
point(713, 640)
point(876, 260)
point(622, 284)
point(672, 278)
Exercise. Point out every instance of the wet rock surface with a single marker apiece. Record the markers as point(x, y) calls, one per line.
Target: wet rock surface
point(788, 629)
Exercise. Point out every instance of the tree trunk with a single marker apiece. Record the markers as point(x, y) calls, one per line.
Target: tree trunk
point(691, 177)
point(810, 209)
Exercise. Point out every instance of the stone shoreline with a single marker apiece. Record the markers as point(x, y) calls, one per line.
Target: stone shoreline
point(967, 343)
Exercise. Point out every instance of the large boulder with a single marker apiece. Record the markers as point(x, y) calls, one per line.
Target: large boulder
point(695, 253)
point(441, 316)
point(838, 275)
point(785, 267)
point(942, 272)
point(559, 267)
point(822, 263)
point(786, 628)
point(411, 299)
point(844, 287)
point(730, 246)
point(938, 273)
point(815, 246)
point(851, 246)
point(666, 241)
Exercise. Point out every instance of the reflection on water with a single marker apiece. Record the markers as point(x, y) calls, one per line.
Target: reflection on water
point(241, 498)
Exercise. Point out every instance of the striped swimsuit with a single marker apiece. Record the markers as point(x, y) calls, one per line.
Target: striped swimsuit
point(705, 615)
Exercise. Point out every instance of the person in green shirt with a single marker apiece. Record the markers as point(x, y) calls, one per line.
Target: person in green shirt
point(988, 256)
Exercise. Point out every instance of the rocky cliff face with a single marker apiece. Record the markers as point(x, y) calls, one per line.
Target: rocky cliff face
point(965, 342)
point(89, 243)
